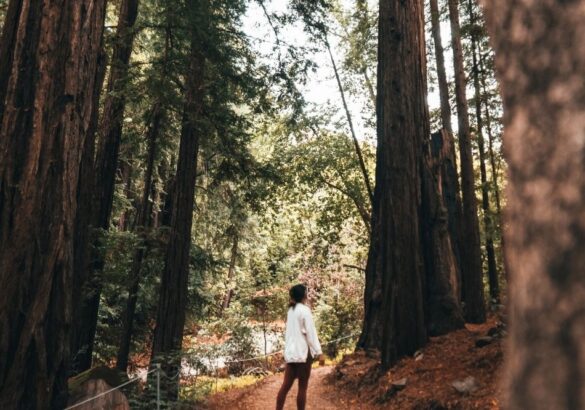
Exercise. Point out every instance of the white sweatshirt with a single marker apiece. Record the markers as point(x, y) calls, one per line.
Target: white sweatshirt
point(301, 335)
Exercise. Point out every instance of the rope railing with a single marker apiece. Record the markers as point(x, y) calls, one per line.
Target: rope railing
point(157, 370)
point(159, 373)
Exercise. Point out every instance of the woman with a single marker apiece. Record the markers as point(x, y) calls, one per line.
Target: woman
point(300, 348)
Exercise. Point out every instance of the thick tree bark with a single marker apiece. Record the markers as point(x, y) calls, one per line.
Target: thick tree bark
point(395, 259)
point(442, 147)
point(170, 320)
point(540, 61)
point(48, 104)
point(452, 193)
point(485, 199)
point(141, 224)
point(84, 210)
point(471, 269)
point(105, 172)
point(442, 311)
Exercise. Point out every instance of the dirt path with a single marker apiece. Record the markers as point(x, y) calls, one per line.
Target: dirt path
point(262, 396)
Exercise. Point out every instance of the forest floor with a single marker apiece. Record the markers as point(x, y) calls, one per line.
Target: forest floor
point(424, 382)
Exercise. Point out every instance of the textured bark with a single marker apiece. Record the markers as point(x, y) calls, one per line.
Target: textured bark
point(485, 198)
point(47, 96)
point(170, 320)
point(442, 147)
point(442, 311)
point(451, 190)
point(84, 209)
point(105, 173)
point(141, 224)
point(395, 258)
point(471, 269)
point(540, 61)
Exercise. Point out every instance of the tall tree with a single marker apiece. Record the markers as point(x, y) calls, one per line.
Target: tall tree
point(170, 319)
point(451, 194)
point(51, 51)
point(141, 224)
point(485, 196)
point(106, 165)
point(540, 62)
point(441, 295)
point(441, 72)
point(471, 269)
point(395, 259)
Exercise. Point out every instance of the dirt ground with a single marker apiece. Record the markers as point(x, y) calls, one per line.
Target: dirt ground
point(425, 382)
point(322, 395)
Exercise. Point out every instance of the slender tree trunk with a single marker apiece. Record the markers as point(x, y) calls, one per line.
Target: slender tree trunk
point(494, 167)
point(441, 72)
point(471, 269)
point(141, 224)
point(395, 259)
point(356, 144)
point(485, 202)
point(170, 320)
point(231, 272)
point(540, 63)
point(47, 96)
point(105, 172)
point(126, 174)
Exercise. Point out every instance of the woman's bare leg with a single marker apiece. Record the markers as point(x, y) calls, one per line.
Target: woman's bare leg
point(289, 379)
point(304, 375)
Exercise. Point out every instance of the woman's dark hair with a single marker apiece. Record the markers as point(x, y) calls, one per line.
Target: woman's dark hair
point(297, 294)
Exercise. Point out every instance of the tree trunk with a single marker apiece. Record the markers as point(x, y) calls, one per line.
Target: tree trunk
point(471, 269)
point(441, 73)
point(540, 62)
point(485, 199)
point(231, 272)
point(105, 172)
point(48, 102)
point(442, 310)
point(84, 211)
point(451, 193)
point(395, 259)
point(170, 320)
point(141, 224)
point(356, 144)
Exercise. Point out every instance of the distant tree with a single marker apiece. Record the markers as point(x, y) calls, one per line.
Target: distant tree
point(48, 72)
point(540, 63)
point(485, 188)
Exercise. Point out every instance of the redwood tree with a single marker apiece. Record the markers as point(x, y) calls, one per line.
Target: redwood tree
point(49, 63)
point(450, 180)
point(485, 195)
point(170, 319)
point(540, 61)
point(471, 269)
point(395, 264)
point(106, 165)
